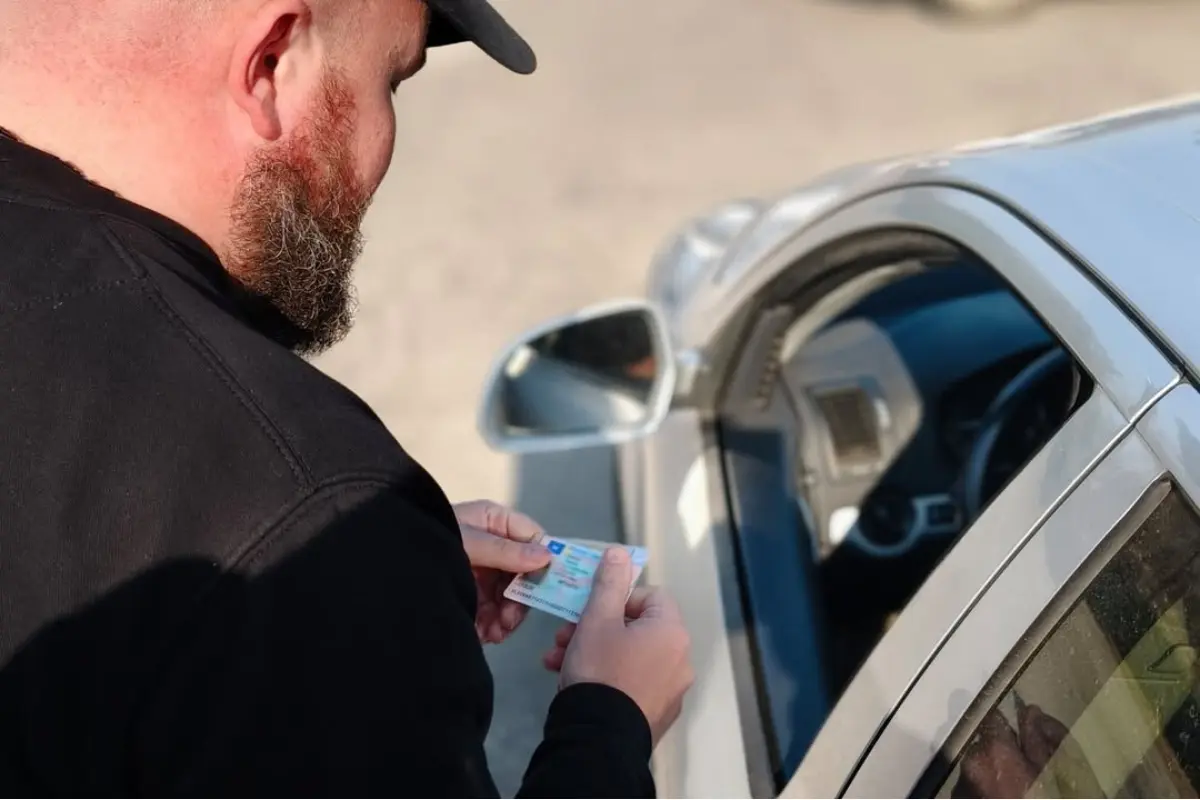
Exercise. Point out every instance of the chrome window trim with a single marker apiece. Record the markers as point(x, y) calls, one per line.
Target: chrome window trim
point(970, 658)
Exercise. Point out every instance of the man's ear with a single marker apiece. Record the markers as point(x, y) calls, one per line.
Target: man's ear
point(267, 54)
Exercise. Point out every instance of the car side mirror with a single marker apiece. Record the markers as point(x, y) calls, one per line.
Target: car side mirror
point(601, 376)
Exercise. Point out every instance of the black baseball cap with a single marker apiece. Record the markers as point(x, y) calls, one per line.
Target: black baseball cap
point(454, 21)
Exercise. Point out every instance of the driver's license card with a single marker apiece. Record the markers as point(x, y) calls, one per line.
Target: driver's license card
point(562, 587)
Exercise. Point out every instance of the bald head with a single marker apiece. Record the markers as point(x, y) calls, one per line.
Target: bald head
point(264, 126)
point(119, 35)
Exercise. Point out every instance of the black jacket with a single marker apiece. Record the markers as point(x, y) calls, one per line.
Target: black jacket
point(219, 573)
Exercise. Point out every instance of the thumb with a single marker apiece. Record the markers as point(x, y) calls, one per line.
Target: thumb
point(485, 550)
point(610, 588)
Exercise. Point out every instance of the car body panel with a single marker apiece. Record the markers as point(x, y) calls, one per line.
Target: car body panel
point(915, 735)
point(695, 758)
point(1128, 369)
point(1172, 429)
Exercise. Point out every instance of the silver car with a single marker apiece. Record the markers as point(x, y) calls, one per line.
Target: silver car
point(917, 448)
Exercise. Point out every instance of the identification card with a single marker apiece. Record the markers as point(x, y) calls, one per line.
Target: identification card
point(562, 587)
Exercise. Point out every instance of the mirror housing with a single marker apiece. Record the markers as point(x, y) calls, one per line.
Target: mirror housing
point(600, 376)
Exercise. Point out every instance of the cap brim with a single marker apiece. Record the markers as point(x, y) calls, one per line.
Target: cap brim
point(454, 21)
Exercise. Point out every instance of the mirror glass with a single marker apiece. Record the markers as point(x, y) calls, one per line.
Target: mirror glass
point(593, 376)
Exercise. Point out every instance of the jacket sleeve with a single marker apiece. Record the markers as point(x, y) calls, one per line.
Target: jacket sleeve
point(339, 659)
point(597, 744)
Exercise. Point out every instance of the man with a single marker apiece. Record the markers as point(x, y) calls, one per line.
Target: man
point(218, 572)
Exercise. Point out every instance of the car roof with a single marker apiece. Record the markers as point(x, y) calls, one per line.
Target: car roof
point(1152, 149)
point(1120, 193)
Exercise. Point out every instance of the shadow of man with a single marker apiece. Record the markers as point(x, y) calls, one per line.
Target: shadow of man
point(339, 667)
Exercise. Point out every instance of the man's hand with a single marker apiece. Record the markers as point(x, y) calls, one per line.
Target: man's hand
point(638, 646)
point(500, 543)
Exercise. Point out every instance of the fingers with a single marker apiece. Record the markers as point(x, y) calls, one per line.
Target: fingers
point(498, 520)
point(553, 659)
point(512, 614)
point(495, 624)
point(610, 587)
point(507, 555)
point(492, 633)
point(489, 629)
point(635, 606)
point(652, 603)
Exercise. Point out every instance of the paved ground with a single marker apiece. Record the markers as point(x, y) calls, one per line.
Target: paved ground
point(512, 199)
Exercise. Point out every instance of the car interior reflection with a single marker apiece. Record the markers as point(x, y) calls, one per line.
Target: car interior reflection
point(900, 418)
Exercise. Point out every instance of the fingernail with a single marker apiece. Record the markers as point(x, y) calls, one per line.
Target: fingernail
point(535, 550)
point(509, 617)
point(615, 555)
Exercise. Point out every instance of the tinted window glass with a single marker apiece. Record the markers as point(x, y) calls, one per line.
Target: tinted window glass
point(879, 434)
point(905, 416)
point(1109, 706)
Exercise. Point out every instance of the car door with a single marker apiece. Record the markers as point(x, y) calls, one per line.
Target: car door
point(1076, 672)
point(1129, 373)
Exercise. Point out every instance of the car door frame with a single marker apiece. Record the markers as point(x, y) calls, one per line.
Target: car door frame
point(685, 517)
point(938, 715)
point(1129, 373)
point(1041, 574)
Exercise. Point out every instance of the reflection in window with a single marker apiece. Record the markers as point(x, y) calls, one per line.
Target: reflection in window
point(1109, 706)
point(619, 347)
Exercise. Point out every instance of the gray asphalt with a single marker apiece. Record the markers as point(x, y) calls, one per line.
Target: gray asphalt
point(514, 199)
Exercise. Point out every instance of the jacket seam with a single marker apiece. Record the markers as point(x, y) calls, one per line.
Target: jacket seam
point(60, 297)
point(100, 215)
point(45, 204)
point(213, 361)
point(253, 549)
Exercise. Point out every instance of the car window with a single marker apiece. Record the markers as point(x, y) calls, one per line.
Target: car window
point(1003, 429)
point(916, 405)
point(898, 417)
point(1109, 704)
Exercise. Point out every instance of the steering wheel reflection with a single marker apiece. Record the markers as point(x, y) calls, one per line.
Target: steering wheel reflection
point(1022, 417)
